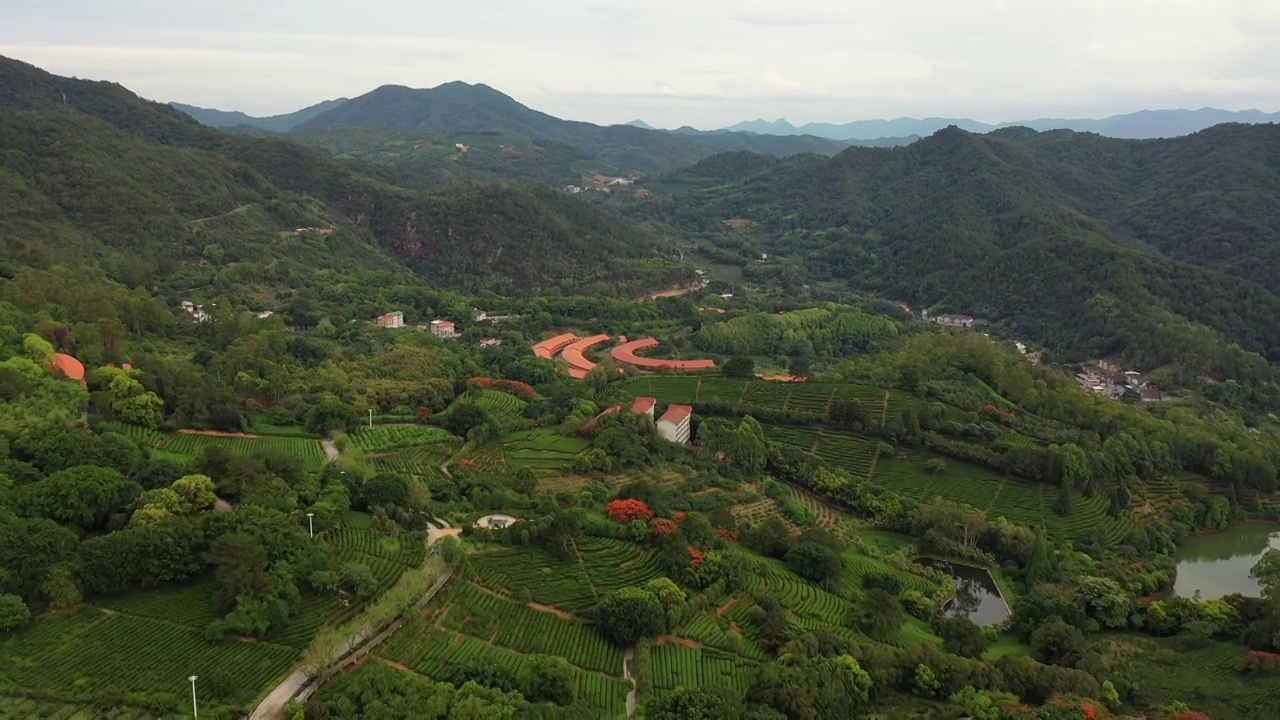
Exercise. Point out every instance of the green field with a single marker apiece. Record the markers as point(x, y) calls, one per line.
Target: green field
point(675, 666)
point(391, 437)
point(544, 450)
point(81, 653)
point(1202, 674)
point(570, 584)
point(810, 397)
point(422, 461)
point(185, 446)
point(161, 632)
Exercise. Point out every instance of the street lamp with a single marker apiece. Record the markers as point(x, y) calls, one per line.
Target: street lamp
point(311, 525)
point(195, 713)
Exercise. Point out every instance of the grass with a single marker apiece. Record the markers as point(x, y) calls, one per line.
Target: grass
point(1006, 644)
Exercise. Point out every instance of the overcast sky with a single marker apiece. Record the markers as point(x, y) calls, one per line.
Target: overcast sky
point(707, 63)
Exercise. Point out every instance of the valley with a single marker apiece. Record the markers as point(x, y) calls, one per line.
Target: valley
point(701, 455)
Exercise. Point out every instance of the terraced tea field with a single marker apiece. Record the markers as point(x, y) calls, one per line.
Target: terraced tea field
point(69, 653)
point(544, 450)
point(422, 461)
point(391, 437)
point(802, 397)
point(187, 446)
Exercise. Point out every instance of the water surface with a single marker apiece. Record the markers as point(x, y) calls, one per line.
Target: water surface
point(977, 596)
point(1218, 564)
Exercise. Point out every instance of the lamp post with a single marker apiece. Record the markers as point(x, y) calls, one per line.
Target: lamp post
point(195, 713)
point(310, 524)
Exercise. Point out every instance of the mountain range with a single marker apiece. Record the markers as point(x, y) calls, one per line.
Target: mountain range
point(458, 107)
point(1138, 125)
point(1162, 253)
point(1158, 252)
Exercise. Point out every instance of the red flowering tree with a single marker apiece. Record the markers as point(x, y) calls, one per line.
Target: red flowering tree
point(1258, 661)
point(680, 516)
point(695, 556)
point(424, 414)
point(624, 511)
point(664, 526)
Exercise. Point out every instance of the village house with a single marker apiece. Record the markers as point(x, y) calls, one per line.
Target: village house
point(481, 317)
point(196, 312)
point(572, 189)
point(675, 422)
point(953, 321)
point(394, 319)
point(643, 406)
point(489, 342)
point(443, 329)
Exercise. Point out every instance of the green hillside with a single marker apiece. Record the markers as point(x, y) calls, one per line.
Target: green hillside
point(1156, 252)
point(164, 202)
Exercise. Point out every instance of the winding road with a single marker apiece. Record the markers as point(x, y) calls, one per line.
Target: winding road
point(300, 682)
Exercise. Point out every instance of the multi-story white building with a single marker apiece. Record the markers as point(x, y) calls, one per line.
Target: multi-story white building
point(674, 423)
point(443, 329)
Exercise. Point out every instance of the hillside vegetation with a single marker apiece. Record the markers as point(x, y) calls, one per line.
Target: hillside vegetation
point(1156, 252)
point(110, 177)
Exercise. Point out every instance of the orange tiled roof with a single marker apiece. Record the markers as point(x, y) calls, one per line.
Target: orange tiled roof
point(68, 366)
point(625, 353)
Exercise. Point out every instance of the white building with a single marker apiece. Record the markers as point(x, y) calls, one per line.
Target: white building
point(393, 319)
point(196, 311)
point(443, 329)
point(643, 406)
point(674, 423)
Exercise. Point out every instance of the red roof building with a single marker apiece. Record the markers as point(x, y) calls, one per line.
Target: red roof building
point(643, 406)
point(68, 366)
point(674, 423)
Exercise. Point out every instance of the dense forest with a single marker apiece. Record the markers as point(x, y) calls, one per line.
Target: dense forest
point(108, 172)
point(1159, 253)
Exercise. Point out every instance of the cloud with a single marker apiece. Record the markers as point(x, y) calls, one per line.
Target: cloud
point(708, 64)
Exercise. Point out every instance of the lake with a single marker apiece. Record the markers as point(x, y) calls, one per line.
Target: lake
point(977, 596)
point(1218, 564)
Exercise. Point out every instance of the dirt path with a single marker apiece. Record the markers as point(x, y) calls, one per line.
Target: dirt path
point(583, 563)
point(673, 291)
point(330, 450)
point(236, 211)
point(551, 610)
point(721, 610)
point(217, 433)
point(676, 640)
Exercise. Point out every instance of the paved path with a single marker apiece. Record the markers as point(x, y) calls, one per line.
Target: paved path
point(330, 450)
point(296, 684)
point(629, 672)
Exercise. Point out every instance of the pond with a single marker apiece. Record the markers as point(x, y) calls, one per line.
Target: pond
point(1218, 564)
point(977, 596)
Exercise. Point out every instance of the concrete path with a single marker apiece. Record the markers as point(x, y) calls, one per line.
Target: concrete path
point(629, 672)
point(296, 684)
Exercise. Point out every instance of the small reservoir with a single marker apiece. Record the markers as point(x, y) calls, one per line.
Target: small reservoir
point(977, 596)
point(1218, 564)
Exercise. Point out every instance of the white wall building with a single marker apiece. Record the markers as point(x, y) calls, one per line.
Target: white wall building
point(674, 423)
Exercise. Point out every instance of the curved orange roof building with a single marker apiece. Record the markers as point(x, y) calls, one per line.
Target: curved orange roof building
point(579, 365)
point(68, 366)
point(547, 349)
point(626, 353)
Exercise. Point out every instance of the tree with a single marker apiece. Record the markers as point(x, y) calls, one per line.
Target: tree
point(961, 636)
point(241, 568)
point(878, 615)
point(1057, 643)
point(798, 367)
point(13, 613)
point(197, 491)
point(82, 497)
point(628, 614)
point(739, 366)
point(549, 679)
point(699, 703)
point(815, 562)
point(624, 511)
point(935, 465)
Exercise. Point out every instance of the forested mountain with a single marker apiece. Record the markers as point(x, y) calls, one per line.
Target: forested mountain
point(458, 107)
point(92, 171)
point(1137, 125)
point(272, 123)
point(1156, 251)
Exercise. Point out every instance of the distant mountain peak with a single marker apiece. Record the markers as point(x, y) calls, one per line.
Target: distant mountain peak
point(640, 124)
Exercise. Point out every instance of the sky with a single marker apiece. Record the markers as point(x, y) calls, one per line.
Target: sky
point(705, 63)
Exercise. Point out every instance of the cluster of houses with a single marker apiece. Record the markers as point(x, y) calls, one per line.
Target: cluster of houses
point(447, 329)
point(1108, 379)
point(674, 425)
